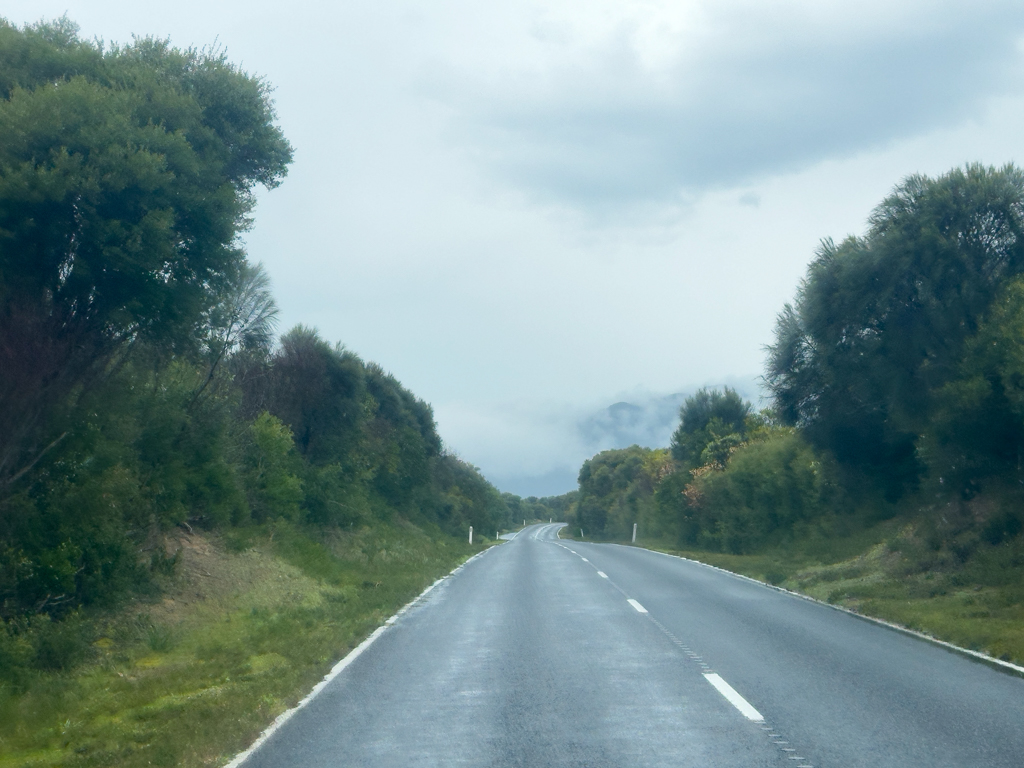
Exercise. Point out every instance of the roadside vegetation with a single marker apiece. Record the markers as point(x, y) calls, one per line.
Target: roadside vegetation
point(249, 620)
point(197, 515)
point(887, 473)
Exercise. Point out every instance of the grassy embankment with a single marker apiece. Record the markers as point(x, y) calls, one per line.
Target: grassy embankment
point(243, 626)
point(888, 571)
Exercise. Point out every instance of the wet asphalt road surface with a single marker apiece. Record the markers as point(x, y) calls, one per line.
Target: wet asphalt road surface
point(543, 652)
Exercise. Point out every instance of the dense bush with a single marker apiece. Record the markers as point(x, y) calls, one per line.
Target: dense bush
point(141, 388)
point(769, 487)
point(882, 323)
point(616, 491)
point(144, 454)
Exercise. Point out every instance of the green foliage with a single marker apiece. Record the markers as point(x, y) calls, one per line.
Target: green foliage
point(126, 175)
point(463, 497)
point(766, 487)
point(137, 461)
point(558, 508)
point(769, 487)
point(275, 490)
point(712, 423)
point(332, 499)
point(318, 391)
point(976, 433)
point(243, 319)
point(144, 455)
point(400, 435)
point(898, 381)
point(881, 322)
point(140, 389)
point(616, 491)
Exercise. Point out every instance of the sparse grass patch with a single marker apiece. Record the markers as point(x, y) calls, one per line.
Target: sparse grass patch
point(239, 635)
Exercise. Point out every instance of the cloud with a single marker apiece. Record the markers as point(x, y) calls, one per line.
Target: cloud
point(537, 450)
point(647, 421)
point(742, 92)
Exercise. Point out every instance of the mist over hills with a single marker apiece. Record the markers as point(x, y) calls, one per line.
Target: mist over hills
point(649, 423)
point(645, 419)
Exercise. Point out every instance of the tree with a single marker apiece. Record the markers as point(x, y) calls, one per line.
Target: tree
point(769, 486)
point(617, 490)
point(126, 175)
point(880, 322)
point(318, 390)
point(711, 422)
point(244, 318)
point(401, 437)
point(976, 432)
point(270, 467)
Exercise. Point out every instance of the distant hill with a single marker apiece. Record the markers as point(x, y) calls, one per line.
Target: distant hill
point(644, 419)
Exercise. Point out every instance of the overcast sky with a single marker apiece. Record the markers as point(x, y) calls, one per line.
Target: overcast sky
point(528, 211)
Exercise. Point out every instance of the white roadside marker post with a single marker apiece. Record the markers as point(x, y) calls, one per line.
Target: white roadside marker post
point(471, 534)
point(581, 533)
point(634, 533)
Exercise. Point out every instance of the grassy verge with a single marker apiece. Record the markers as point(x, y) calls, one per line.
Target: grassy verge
point(887, 573)
point(243, 628)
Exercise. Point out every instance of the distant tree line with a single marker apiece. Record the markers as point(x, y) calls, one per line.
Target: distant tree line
point(141, 384)
point(897, 384)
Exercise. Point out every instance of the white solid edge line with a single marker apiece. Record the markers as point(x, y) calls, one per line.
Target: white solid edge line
point(584, 560)
point(984, 658)
point(733, 697)
point(337, 669)
point(635, 604)
point(602, 574)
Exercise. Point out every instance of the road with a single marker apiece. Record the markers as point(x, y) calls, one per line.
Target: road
point(543, 652)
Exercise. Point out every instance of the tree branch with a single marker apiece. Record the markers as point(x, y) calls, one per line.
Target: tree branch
point(35, 461)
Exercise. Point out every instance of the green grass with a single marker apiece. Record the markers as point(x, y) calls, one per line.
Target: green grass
point(975, 601)
point(243, 630)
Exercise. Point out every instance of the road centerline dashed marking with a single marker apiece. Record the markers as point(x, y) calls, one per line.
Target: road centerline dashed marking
point(733, 697)
point(744, 707)
point(635, 604)
point(728, 692)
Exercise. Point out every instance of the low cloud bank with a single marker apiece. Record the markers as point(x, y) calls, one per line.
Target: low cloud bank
point(537, 450)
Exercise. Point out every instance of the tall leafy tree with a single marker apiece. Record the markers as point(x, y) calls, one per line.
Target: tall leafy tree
point(126, 175)
point(976, 432)
point(710, 422)
point(318, 390)
point(880, 321)
point(401, 436)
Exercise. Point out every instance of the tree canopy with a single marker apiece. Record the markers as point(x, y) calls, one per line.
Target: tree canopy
point(126, 176)
point(710, 422)
point(880, 323)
